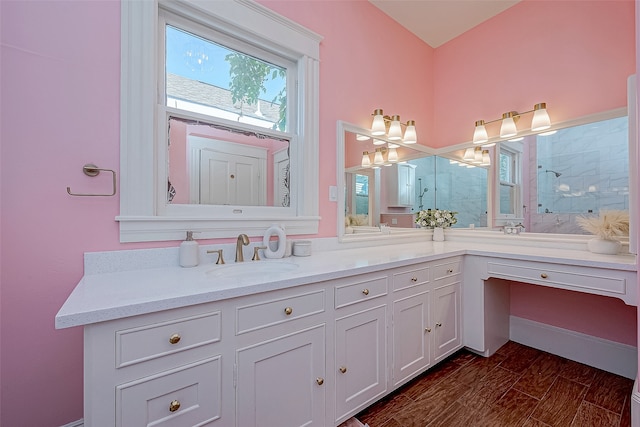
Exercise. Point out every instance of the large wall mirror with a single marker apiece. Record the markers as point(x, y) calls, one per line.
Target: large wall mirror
point(542, 181)
point(385, 183)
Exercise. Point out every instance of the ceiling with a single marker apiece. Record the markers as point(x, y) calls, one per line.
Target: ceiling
point(438, 21)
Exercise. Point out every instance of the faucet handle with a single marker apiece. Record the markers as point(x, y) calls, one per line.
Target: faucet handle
point(256, 257)
point(220, 260)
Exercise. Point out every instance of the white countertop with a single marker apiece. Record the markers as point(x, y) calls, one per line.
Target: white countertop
point(113, 295)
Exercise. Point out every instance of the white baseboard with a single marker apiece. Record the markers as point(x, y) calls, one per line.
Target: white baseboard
point(79, 423)
point(610, 356)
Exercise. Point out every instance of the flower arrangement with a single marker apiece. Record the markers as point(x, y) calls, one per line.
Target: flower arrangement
point(608, 225)
point(436, 218)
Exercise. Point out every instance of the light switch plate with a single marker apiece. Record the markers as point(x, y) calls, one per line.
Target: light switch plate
point(333, 193)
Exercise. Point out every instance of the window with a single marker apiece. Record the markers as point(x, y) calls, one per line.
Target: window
point(169, 50)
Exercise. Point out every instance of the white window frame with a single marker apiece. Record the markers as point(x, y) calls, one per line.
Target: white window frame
point(515, 184)
point(143, 213)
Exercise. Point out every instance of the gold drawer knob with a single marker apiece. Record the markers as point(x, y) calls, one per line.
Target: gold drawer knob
point(288, 311)
point(414, 279)
point(320, 381)
point(365, 291)
point(174, 339)
point(427, 329)
point(438, 324)
point(343, 369)
point(544, 275)
point(174, 405)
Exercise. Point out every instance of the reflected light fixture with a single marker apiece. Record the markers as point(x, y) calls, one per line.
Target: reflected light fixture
point(361, 137)
point(366, 161)
point(377, 158)
point(391, 126)
point(508, 128)
point(392, 155)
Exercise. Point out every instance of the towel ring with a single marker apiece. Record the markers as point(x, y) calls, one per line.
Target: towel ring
point(92, 170)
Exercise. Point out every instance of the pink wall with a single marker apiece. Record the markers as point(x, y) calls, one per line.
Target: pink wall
point(573, 55)
point(60, 110)
point(60, 102)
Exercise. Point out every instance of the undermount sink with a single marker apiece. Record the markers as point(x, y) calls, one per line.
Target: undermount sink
point(251, 269)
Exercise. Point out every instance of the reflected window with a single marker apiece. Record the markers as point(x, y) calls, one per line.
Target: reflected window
point(362, 195)
point(509, 188)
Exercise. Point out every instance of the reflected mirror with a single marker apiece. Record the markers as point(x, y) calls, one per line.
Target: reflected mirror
point(209, 165)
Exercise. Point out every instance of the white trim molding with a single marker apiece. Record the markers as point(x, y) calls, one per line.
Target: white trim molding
point(79, 423)
point(610, 356)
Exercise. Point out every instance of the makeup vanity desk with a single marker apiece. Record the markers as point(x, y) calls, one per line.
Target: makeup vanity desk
point(171, 344)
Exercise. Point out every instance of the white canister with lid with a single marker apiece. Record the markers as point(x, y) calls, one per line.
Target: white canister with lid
point(302, 248)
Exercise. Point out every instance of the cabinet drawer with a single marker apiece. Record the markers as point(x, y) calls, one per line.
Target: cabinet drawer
point(189, 395)
point(364, 290)
point(446, 269)
point(410, 277)
point(265, 314)
point(147, 342)
point(579, 278)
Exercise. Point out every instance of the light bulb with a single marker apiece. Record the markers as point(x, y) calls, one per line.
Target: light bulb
point(410, 136)
point(378, 127)
point(480, 133)
point(508, 127)
point(395, 131)
point(541, 120)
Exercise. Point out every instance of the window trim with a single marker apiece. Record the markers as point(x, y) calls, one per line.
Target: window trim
point(140, 155)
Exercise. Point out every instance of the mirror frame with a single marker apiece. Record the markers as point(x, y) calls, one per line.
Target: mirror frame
point(142, 139)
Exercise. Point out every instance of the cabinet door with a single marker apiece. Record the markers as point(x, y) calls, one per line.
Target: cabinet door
point(281, 382)
point(446, 320)
point(411, 341)
point(360, 360)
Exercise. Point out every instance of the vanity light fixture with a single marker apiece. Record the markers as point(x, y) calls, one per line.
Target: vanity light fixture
point(477, 155)
point(392, 155)
point(486, 159)
point(508, 127)
point(392, 127)
point(379, 158)
point(361, 137)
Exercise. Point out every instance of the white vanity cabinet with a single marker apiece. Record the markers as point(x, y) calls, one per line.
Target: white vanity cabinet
point(360, 342)
point(446, 320)
point(400, 184)
point(280, 359)
point(410, 332)
point(161, 369)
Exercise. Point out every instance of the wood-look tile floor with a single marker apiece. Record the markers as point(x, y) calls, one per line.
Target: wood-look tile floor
point(517, 386)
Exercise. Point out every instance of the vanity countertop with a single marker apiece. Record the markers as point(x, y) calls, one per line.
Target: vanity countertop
point(113, 295)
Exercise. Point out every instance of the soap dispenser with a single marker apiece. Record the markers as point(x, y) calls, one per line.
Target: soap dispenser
point(189, 251)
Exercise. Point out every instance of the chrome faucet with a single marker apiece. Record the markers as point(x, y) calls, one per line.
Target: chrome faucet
point(243, 240)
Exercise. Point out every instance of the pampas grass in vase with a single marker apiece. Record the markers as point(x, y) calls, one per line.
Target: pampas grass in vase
point(608, 226)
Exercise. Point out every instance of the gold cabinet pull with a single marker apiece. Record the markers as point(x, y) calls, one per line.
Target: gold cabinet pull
point(288, 311)
point(343, 369)
point(438, 324)
point(365, 291)
point(427, 329)
point(544, 275)
point(174, 339)
point(320, 381)
point(174, 405)
point(414, 279)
